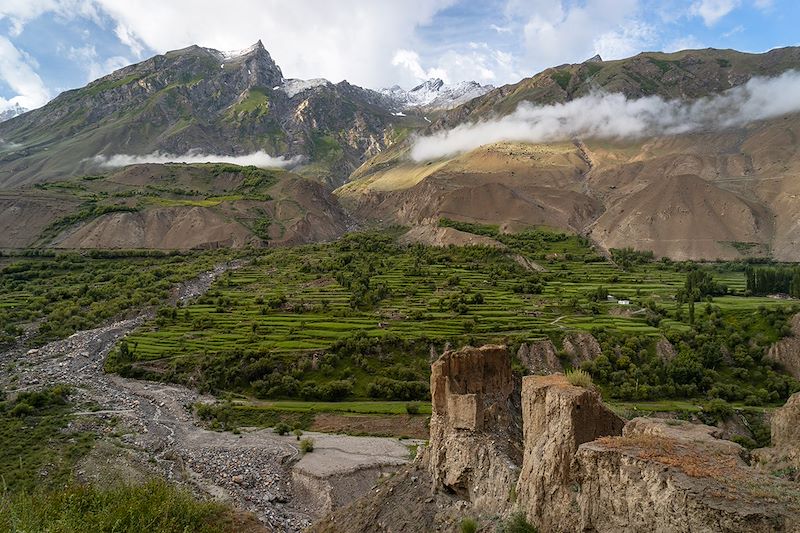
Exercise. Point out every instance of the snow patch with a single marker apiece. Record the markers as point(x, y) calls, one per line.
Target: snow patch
point(294, 87)
point(235, 54)
point(435, 94)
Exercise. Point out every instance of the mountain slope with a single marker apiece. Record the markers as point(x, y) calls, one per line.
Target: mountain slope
point(203, 100)
point(742, 199)
point(172, 206)
point(685, 74)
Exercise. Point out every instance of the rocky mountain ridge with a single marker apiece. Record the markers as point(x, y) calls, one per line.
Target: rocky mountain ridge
point(434, 94)
point(204, 101)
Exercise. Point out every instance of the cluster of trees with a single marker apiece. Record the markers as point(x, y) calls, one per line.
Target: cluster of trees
point(721, 357)
point(72, 292)
point(765, 280)
point(628, 257)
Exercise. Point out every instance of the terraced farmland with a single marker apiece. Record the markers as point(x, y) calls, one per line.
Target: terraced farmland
point(359, 318)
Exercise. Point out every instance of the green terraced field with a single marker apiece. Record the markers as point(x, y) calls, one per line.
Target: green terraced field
point(366, 309)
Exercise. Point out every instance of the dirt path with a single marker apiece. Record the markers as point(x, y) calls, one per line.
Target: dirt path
point(252, 470)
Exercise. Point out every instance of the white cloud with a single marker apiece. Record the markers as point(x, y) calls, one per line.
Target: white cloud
point(711, 11)
point(500, 29)
point(128, 39)
point(556, 32)
point(625, 42)
point(20, 12)
point(17, 72)
point(346, 39)
point(479, 62)
point(688, 42)
point(409, 60)
point(763, 4)
point(614, 116)
point(259, 159)
point(95, 67)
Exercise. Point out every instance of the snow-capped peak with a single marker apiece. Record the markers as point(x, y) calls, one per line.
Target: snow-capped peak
point(436, 94)
point(12, 112)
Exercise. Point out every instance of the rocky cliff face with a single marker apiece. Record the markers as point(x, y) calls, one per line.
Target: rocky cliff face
point(473, 451)
point(539, 357)
point(557, 418)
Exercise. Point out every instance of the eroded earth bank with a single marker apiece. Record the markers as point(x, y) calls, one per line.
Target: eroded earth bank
point(553, 455)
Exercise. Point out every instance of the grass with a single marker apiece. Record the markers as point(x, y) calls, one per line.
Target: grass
point(256, 102)
point(38, 447)
point(579, 378)
point(153, 507)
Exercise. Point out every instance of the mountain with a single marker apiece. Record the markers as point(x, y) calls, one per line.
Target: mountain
point(687, 74)
point(723, 193)
point(434, 94)
point(12, 112)
point(204, 101)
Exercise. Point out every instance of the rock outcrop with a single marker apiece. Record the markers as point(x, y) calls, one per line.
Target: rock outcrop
point(474, 446)
point(786, 352)
point(784, 454)
point(582, 467)
point(677, 478)
point(581, 347)
point(540, 357)
point(557, 418)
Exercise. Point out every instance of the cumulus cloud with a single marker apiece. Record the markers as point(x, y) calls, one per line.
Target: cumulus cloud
point(258, 159)
point(346, 39)
point(557, 32)
point(711, 11)
point(613, 116)
point(17, 71)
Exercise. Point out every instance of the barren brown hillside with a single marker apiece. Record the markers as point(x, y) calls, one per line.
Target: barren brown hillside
point(707, 195)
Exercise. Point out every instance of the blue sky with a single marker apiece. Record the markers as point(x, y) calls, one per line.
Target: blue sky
point(48, 46)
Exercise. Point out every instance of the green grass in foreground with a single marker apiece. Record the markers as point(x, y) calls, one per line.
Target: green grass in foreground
point(155, 507)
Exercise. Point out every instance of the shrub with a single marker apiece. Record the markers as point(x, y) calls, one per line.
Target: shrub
point(297, 433)
point(718, 409)
point(412, 408)
point(307, 445)
point(468, 525)
point(580, 378)
point(21, 409)
point(282, 428)
point(517, 523)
